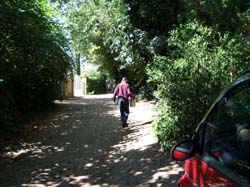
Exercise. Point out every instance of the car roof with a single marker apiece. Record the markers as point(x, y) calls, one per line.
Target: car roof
point(242, 77)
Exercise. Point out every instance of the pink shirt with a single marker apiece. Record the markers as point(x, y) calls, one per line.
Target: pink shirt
point(122, 90)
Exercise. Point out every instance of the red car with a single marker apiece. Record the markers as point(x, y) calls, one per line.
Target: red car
point(218, 155)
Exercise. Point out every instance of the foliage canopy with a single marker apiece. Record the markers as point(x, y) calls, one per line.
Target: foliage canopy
point(185, 50)
point(33, 57)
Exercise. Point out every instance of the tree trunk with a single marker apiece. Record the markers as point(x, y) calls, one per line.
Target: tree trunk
point(78, 68)
point(197, 9)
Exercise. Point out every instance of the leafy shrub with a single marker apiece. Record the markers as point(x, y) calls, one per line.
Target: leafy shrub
point(96, 80)
point(33, 57)
point(96, 85)
point(199, 64)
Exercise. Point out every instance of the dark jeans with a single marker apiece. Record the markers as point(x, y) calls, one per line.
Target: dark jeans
point(124, 109)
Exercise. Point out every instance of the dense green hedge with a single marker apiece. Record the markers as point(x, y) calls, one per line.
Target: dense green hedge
point(200, 63)
point(32, 60)
point(96, 85)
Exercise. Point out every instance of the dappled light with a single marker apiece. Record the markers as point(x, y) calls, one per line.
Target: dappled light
point(56, 55)
point(82, 144)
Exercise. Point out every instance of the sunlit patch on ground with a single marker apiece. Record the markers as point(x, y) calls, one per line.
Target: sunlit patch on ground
point(83, 144)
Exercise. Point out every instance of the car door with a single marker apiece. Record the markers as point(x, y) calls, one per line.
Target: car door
point(219, 153)
point(199, 169)
point(224, 158)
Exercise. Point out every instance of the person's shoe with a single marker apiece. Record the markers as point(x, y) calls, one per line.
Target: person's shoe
point(124, 125)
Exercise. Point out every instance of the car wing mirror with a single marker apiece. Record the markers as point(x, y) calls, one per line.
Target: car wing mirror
point(183, 150)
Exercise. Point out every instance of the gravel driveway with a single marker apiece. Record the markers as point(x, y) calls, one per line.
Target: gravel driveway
point(81, 144)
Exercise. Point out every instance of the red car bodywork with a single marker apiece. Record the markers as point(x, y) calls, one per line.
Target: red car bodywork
point(218, 155)
point(199, 173)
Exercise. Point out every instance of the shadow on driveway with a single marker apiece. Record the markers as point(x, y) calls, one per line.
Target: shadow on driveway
point(82, 144)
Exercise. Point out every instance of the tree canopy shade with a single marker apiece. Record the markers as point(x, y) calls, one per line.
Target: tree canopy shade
point(226, 15)
point(107, 33)
point(101, 31)
point(169, 46)
point(33, 56)
point(156, 17)
point(185, 50)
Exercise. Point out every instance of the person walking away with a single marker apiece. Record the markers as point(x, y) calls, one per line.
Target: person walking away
point(122, 92)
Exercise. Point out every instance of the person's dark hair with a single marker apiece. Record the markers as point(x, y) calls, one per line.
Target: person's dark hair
point(124, 79)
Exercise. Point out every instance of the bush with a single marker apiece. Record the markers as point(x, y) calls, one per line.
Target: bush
point(96, 85)
point(199, 64)
point(33, 56)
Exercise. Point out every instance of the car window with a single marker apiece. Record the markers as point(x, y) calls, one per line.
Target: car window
point(227, 135)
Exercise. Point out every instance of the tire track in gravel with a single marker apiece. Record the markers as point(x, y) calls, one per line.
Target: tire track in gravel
point(82, 144)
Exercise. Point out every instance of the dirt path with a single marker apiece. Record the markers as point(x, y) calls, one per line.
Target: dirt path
point(81, 144)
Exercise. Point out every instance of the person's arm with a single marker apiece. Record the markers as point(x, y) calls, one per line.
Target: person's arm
point(115, 93)
point(129, 93)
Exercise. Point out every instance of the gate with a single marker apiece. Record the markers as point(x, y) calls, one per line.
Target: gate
point(78, 86)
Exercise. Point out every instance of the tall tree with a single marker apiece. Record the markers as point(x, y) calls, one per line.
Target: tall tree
point(197, 9)
point(157, 17)
point(122, 36)
point(33, 57)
